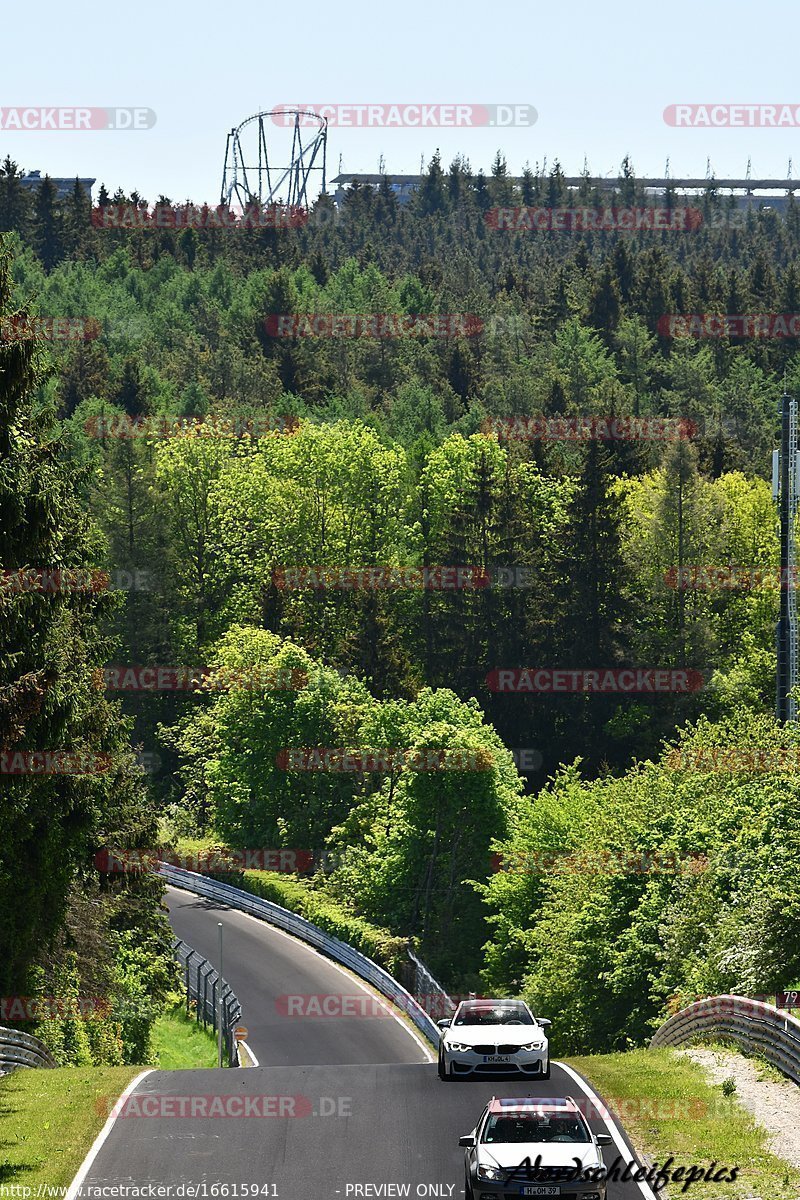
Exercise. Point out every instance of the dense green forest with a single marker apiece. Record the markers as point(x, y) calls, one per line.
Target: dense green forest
point(350, 452)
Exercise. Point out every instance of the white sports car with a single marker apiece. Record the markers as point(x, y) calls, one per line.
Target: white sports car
point(494, 1037)
point(534, 1147)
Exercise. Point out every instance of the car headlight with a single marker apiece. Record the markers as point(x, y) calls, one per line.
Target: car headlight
point(533, 1046)
point(492, 1174)
point(456, 1046)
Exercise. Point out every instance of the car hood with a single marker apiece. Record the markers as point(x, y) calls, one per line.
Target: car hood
point(553, 1154)
point(495, 1035)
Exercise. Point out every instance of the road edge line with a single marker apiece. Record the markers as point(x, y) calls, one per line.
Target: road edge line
point(365, 986)
point(74, 1188)
point(614, 1129)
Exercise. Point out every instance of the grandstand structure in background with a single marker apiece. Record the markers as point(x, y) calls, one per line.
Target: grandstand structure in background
point(63, 187)
point(748, 192)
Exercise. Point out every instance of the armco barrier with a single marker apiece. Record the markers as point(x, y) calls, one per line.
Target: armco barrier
point(300, 928)
point(202, 983)
point(19, 1049)
point(425, 985)
point(760, 1028)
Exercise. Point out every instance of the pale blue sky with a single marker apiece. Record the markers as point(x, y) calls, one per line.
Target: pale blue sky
point(599, 75)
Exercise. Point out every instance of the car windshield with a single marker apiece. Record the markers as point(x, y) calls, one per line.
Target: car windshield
point(532, 1127)
point(493, 1014)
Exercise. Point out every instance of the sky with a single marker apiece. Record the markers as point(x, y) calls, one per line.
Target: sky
point(599, 76)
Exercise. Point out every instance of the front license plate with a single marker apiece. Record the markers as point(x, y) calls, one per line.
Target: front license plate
point(501, 1058)
point(540, 1191)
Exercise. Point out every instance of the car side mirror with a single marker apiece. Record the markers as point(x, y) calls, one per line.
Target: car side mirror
point(604, 1139)
point(545, 1022)
point(445, 1023)
point(466, 1140)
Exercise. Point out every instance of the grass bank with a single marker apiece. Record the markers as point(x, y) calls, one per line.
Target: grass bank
point(670, 1110)
point(49, 1120)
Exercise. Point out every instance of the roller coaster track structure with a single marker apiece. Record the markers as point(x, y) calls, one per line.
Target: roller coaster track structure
point(250, 175)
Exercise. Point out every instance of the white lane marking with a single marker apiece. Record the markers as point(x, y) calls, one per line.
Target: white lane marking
point(613, 1129)
point(429, 1057)
point(97, 1144)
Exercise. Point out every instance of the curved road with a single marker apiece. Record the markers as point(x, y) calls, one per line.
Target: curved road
point(275, 975)
point(340, 1107)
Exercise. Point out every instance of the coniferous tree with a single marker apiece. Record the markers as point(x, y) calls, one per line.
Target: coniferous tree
point(48, 224)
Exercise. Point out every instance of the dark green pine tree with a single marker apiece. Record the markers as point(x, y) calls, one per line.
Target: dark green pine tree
point(52, 644)
point(15, 200)
point(132, 392)
point(529, 187)
point(431, 196)
point(386, 208)
point(48, 225)
point(597, 626)
point(78, 234)
point(594, 596)
point(604, 305)
point(85, 374)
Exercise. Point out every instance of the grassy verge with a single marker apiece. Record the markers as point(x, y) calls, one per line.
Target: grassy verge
point(179, 1042)
point(669, 1109)
point(49, 1119)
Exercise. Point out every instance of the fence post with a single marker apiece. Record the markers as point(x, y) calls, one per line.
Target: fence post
point(188, 972)
point(205, 998)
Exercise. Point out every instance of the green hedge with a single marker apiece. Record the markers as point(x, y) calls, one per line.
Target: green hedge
point(299, 897)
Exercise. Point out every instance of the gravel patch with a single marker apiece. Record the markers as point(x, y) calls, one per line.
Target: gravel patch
point(774, 1104)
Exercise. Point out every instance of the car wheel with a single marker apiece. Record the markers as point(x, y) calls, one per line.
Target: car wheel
point(441, 1067)
point(468, 1192)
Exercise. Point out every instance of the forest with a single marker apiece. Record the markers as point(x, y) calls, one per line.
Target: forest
point(341, 477)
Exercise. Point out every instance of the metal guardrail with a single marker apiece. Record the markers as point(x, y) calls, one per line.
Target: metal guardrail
point(759, 1028)
point(203, 984)
point(19, 1049)
point(300, 928)
point(436, 998)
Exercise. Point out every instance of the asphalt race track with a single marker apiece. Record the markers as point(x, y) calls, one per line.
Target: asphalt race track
point(360, 1106)
point(262, 965)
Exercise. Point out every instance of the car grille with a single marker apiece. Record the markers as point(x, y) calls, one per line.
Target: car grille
point(495, 1049)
